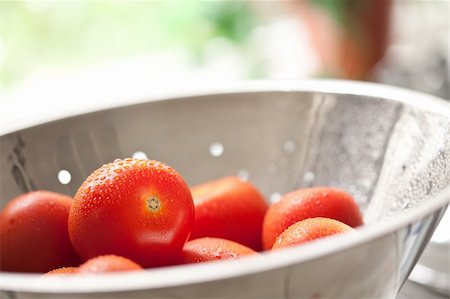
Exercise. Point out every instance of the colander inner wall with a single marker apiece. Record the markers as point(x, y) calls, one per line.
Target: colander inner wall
point(389, 155)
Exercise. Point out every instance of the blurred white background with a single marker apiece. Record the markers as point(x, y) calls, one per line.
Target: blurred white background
point(57, 53)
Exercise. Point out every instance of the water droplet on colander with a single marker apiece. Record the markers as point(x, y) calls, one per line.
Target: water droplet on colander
point(289, 146)
point(362, 199)
point(275, 197)
point(243, 174)
point(216, 149)
point(366, 183)
point(352, 189)
point(64, 177)
point(375, 153)
point(401, 203)
point(139, 155)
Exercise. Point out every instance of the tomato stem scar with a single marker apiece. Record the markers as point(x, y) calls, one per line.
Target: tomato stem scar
point(153, 203)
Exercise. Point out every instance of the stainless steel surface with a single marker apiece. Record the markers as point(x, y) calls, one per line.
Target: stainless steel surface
point(412, 290)
point(433, 268)
point(389, 147)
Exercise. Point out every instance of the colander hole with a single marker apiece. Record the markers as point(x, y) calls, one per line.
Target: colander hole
point(64, 177)
point(308, 177)
point(289, 146)
point(243, 174)
point(139, 155)
point(275, 197)
point(216, 149)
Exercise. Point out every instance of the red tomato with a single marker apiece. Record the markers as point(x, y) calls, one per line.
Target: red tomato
point(212, 249)
point(308, 230)
point(308, 203)
point(139, 209)
point(33, 233)
point(62, 271)
point(229, 208)
point(108, 263)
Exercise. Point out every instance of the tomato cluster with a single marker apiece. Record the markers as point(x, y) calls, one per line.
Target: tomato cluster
point(133, 214)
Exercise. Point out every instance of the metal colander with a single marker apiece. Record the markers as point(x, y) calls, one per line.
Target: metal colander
point(388, 147)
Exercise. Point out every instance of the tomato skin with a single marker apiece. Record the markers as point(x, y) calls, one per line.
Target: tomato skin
point(138, 209)
point(308, 203)
point(108, 263)
point(33, 233)
point(212, 249)
point(62, 271)
point(229, 208)
point(308, 230)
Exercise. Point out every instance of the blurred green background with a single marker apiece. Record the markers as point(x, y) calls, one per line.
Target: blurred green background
point(204, 40)
point(36, 35)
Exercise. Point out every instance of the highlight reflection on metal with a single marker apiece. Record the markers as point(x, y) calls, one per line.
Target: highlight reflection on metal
point(390, 148)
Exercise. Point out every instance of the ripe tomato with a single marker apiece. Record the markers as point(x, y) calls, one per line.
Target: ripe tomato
point(62, 271)
point(108, 263)
point(229, 208)
point(139, 209)
point(212, 249)
point(33, 233)
point(308, 230)
point(308, 203)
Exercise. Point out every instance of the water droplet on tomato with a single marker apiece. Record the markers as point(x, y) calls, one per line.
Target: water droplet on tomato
point(139, 155)
point(275, 197)
point(243, 174)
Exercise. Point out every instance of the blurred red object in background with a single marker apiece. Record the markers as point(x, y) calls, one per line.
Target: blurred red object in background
point(350, 36)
